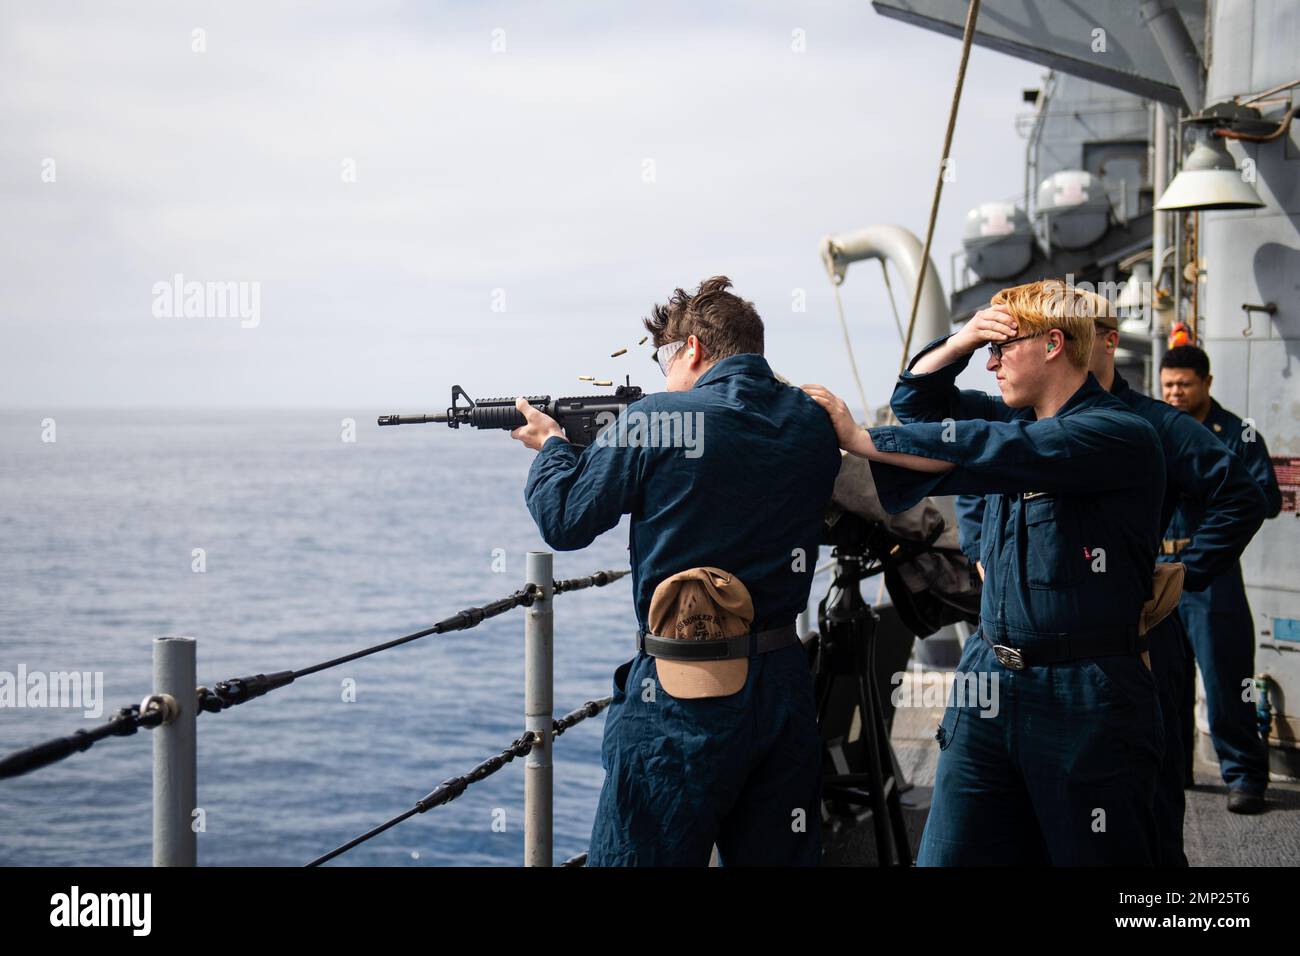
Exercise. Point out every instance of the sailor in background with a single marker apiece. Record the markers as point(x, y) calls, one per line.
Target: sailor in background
point(723, 751)
point(1218, 617)
point(1202, 473)
point(1064, 771)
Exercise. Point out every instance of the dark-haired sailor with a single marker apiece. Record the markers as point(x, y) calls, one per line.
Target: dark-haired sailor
point(1218, 618)
point(731, 756)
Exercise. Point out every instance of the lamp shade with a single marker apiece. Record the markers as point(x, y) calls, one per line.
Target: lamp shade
point(1209, 180)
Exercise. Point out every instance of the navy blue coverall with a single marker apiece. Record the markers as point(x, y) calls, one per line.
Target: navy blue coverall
point(1220, 625)
point(742, 771)
point(970, 517)
point(1202, 473)
point(1064, 770)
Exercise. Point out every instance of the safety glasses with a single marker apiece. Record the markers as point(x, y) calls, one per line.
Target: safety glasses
point(995, 348)
point(664, 355)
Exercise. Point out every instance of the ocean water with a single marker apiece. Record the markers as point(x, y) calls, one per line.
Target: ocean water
point(314, 547)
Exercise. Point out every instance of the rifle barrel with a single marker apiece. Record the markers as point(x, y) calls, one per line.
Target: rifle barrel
point(411, 419)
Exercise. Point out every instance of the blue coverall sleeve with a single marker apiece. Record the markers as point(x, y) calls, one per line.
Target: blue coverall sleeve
point(574, 497)
point(1075, 454)
point(1204, 469)
point(970, 524)
point(1260, 466)
point(934, 396)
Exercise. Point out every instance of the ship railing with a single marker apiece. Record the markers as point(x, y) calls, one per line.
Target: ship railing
point(172, 709)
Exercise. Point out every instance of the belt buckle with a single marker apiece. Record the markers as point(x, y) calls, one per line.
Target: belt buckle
point(1009, 657)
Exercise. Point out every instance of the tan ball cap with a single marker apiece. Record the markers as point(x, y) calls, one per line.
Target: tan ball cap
point(701, 604)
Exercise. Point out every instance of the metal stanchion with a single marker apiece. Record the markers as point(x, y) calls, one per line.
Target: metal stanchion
point(175, 764)
point(538, 711)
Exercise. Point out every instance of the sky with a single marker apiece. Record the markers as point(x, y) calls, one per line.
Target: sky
point(414, 195)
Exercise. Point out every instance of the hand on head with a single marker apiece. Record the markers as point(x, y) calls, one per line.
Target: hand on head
point(994, 324)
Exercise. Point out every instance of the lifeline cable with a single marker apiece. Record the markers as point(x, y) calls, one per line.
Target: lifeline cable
point(122, 724)
point(238, 690)
point(597, 579)
point(453, 787)
point(445, 792)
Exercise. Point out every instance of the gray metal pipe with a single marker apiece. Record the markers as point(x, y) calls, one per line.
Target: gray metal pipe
point(1176, 47)
point(539, 708)
point(1031, 145)
point(1164, 122)
point(900, 247)
point(1176, 162)
point(175, 754)
point(1161, 126)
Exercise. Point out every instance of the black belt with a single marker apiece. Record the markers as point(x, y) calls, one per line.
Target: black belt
point(1058, 650)
point(719, 649)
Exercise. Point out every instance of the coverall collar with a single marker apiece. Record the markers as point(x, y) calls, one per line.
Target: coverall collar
point(1085, 393)
point(746, 363)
